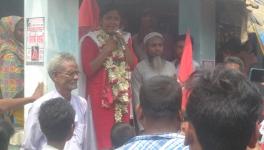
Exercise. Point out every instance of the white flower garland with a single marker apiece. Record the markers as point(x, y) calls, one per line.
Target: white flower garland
point(118, 76)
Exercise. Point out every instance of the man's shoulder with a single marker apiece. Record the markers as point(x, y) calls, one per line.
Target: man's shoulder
point(79, 103)
point(43, 99)
point(169, 63)
point(80, 99)
point(49, 147)
point(196, 64)
point(141, 65)
point(172, 141)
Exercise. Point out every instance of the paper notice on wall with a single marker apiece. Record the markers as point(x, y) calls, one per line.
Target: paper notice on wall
point(35, 41)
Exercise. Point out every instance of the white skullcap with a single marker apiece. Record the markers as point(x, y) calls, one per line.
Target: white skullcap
point(152, 35)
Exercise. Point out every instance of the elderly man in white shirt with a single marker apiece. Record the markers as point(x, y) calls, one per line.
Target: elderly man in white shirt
point(152, 65)
point(63, 71)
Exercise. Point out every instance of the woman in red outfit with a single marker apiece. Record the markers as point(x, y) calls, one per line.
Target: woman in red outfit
point(108, 59)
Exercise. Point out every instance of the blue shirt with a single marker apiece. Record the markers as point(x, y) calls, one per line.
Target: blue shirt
point(171, 141)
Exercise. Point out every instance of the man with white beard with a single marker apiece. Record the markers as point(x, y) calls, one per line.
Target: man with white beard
point(152, 65)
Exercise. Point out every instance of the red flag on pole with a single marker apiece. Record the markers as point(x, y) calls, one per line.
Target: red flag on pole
point(185, 68)
point(89, 14)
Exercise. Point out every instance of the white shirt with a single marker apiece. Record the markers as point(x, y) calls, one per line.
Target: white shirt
point(49, 147)
point(144, 71)
point(177, 65)
point(35, 139)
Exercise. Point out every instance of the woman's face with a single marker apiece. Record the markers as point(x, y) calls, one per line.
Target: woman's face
point(19, 31)
point(111, 21)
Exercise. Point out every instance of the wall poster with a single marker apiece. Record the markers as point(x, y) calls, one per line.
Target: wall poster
point(35, 41)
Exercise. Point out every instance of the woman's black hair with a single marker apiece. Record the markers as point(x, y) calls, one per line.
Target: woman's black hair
point(110, 7)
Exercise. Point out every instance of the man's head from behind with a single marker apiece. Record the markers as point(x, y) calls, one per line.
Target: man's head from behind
point(160, 100)
point(64, 72)
point(235, 63)
point(56, 118)
point(121, 133)
point(222, 111)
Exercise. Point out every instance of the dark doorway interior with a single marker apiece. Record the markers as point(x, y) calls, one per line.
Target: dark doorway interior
point(165, 10)
point(11, 8)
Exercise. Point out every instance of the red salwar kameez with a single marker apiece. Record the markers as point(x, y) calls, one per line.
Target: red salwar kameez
point(96, 83)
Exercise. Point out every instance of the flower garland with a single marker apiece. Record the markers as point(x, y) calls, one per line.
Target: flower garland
point(118, 76)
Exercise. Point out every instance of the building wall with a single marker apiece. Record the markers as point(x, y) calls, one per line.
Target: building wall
point(198, 16)
point(61, 29)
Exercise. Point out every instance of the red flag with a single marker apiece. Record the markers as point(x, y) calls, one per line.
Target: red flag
point(89, 14)
point(185, 68)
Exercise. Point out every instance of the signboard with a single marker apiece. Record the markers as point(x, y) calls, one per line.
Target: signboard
point(35, 41)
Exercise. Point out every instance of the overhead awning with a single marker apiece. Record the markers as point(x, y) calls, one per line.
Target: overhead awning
point(256, 20)
point(246, 15)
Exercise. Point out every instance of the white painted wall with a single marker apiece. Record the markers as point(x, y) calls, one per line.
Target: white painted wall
point(61, 20)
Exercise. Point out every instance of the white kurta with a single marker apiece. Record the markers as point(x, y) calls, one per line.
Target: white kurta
point(143, 72)
point(35, 139)
point(49, 147)
point(195, 64)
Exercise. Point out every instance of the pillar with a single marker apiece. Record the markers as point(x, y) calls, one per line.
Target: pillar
point(198, 16)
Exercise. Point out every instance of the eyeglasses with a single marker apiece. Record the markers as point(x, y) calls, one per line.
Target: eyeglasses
point(70, 74)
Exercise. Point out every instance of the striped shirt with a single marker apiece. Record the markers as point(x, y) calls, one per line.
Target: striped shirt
point(171, 141)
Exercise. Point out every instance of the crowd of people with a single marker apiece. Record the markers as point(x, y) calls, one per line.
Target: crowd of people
point(133, 98)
